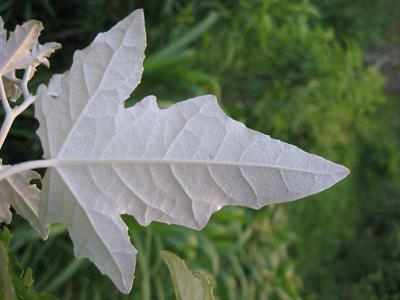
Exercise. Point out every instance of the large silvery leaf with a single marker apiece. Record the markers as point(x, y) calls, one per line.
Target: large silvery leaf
point(177, 165)
point(23, 196)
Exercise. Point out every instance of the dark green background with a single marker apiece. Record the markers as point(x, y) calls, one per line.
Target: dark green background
point(324, 75)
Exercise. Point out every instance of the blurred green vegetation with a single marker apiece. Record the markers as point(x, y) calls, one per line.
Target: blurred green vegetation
point(323, 75)
point(14, 282)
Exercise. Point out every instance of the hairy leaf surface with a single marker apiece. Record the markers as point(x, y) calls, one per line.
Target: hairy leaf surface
point(177, 165)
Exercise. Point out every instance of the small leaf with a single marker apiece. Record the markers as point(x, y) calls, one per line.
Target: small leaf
point(13, 92)
point(24, 197)
point(40, 54)
point(188, 285)
point(17, 49)
point(28, 278)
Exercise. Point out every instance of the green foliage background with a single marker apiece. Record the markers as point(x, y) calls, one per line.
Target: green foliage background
point(324, 75)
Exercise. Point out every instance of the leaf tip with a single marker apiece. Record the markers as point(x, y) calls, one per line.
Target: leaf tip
point(341, 172)
point(38, 25)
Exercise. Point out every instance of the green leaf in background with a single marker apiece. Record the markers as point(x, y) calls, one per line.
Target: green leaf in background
point(188, 285)
point(6, 287)
point(15, 284)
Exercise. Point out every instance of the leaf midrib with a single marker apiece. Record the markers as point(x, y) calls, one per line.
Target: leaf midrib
point(83, 161)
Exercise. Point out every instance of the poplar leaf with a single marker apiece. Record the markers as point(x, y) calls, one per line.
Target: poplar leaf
point(177, 165)
point(24, 197)
point(188, 285)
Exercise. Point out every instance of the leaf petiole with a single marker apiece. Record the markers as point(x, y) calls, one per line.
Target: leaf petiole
point(29, 165)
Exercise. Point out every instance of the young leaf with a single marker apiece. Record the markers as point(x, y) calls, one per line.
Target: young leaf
point(12, 89)
point(19, 52)
point(177, 165)
point(188, 285)
point(40, 54)
point(16, 50)
point(17, 191)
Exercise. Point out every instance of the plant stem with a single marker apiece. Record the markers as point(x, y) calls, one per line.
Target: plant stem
point(5, 128)
point(24, 105)
point(10, 117)
point(24, 83)
point(4, 100)
point(29, 165)
point(12, 113)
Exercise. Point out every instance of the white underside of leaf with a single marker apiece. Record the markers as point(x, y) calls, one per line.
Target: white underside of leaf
point(177, 165)
point(24, 197)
